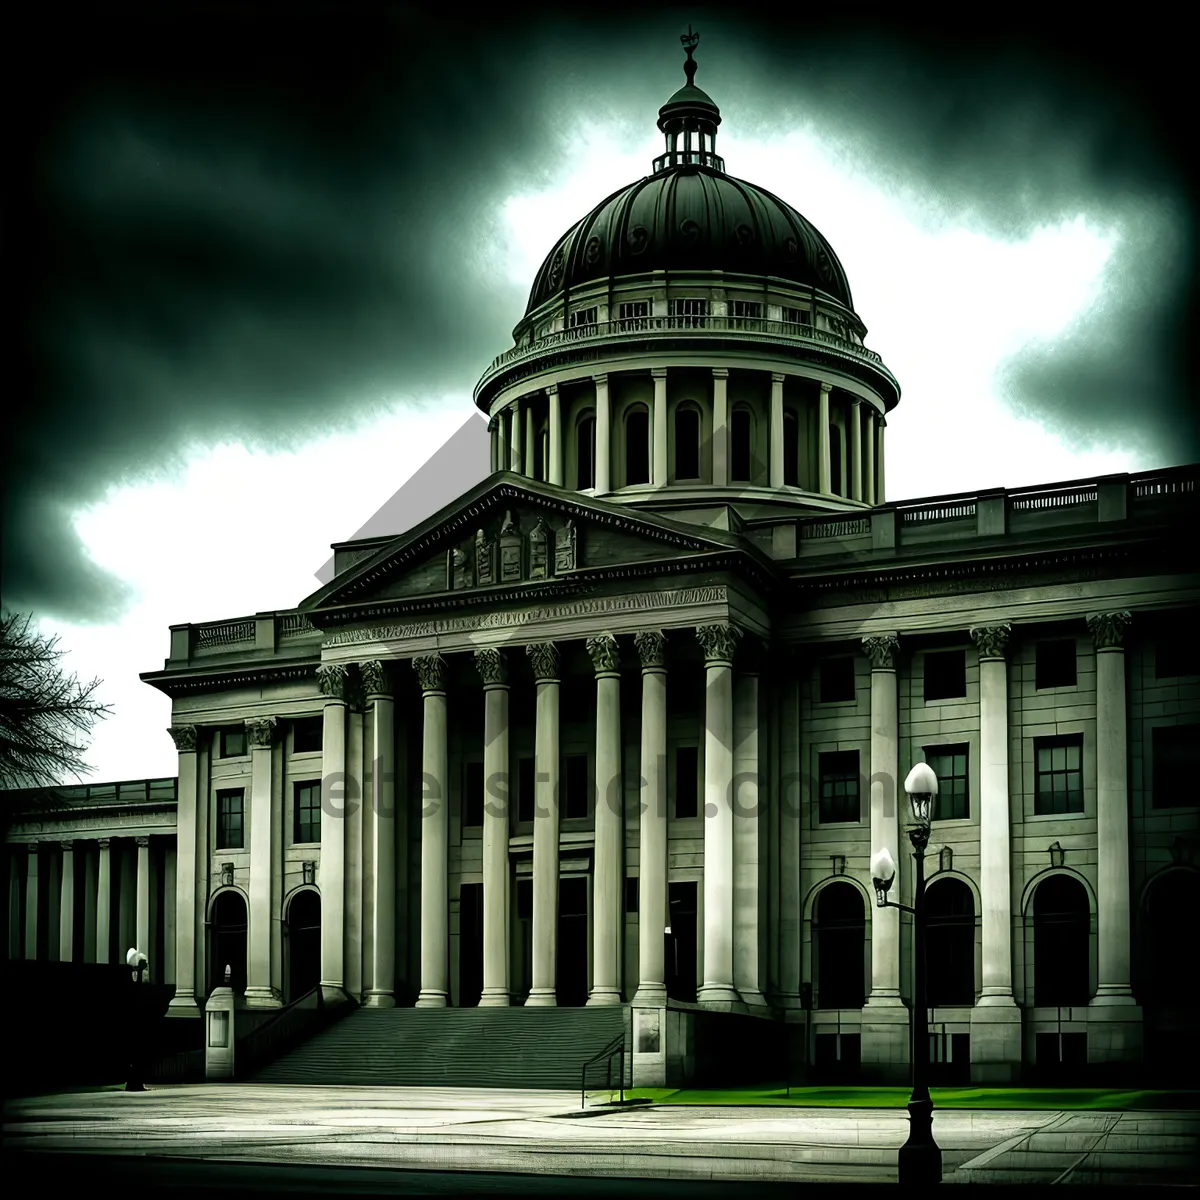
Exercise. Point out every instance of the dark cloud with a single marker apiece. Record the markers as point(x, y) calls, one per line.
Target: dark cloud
point(245, 221)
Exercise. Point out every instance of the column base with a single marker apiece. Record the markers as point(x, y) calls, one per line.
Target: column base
point(495, 998)
point(183, 1006)
point(1115, 1029)
point(1113, 994)
point(333, 993)
point(721, 997)
point(604, 996)
point(379, 999)
point(431, 999)
point(995, 1039)
point(651, 994)
point(260, 996)
point(885, 999)
point(885, 1033)
point(541, 998)
point(753, 998)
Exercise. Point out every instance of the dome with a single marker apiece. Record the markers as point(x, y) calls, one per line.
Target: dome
point(691, 217)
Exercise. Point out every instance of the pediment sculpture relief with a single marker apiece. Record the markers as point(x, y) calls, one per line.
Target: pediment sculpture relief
point(512, 556)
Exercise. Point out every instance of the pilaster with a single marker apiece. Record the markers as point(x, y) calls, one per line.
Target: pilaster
point(493, 671)
point(651, 647)
point(543, 657)
point(435, 826)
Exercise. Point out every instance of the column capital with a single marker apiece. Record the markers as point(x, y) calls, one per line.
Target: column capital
point(543, 657)
point(598, 379)
point(67, 844)
point(651, 645)
point(260, 733)
point(604, 653)
point(718, 372)
point(1108, 629)
point(882, 649)
point(656, 373)
point(431, 671)
point(493, 670)
point(103, 843)
point(184, 737)
point(991, 640)
point(143, 839)
point(376, 676)
point(32, 847)
point(718, 642)
point(334, 680)
point(826, 387)
point(552, 389)
point(778, 377)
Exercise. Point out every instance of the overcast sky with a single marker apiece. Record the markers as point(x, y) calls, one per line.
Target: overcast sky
point(263, 259)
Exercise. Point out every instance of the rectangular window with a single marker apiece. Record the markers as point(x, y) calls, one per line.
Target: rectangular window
point(634, 314)
point(945, 675)
point(307, 735)
point(689, 313)
point(631, 893)
point(1055, 664)
point(1058, 767)
point(838, 770)
point(583, 316)
point(949, 764)
point(578, 787)
point(472, 805)
point(797, 316)
point(525, 790)
point(837, 680)
point(746, 310)
point(230, 827)
point(306, 810)
point(1176, 655)
point(687, 781)
point(1176, 761)
point(233, 742)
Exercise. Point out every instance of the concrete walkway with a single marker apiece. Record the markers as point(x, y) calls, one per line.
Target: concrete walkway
point(543, 1133)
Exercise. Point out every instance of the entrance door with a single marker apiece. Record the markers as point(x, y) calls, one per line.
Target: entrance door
point(681, 942)
point(227, 941)
point(470, 944)
point(304, 944)
point(571, 982)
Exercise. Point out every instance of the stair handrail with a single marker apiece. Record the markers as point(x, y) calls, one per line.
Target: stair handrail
point(250, 1047)
point(615, 1046)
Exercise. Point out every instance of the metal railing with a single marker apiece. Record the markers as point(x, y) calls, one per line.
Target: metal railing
point(290, 1026)
point(614, 1049)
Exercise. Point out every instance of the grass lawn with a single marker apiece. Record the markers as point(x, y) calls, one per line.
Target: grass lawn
point(1077, 1099)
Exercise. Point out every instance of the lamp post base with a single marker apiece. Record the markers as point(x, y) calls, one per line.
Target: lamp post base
point(919, 1162)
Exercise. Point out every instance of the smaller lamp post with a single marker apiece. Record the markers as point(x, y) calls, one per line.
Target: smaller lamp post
point(137, 963)
point(920, 1159)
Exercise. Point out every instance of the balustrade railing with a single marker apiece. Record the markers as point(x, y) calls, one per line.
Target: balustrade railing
point(1030, 501)
point(938, 512)
point(224, 633)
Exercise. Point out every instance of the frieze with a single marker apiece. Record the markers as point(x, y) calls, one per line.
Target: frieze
point(543, 656)
point(593, 606)
point(92, 826)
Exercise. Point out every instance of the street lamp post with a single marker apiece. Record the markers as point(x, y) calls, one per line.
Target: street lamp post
point(920, 1158)
point(137, 963)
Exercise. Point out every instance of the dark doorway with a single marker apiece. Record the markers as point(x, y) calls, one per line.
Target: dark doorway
point(1061, 943)
point(304, 944)
point(950, 944)
point(227, 941)
point(840, 933)
point(571, 975)
point(470, 944)
point(681, 942)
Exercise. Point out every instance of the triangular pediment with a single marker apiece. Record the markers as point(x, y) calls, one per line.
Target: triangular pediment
point(510, 531)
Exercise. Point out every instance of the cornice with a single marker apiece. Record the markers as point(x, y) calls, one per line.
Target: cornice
point(203, 679)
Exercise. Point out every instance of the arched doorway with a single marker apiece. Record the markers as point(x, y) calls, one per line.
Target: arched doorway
point(303, 943)
point(839, 934)
point(227, 941)
point(1061, 943)
point(950, 944)
point(1166, 976)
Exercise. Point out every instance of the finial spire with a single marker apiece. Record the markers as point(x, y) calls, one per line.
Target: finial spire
point(690, 41)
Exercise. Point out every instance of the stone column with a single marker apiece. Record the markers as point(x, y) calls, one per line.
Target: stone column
point(126, 897)
point(776, 431)
point(530, 441)
point(749, 822)
point(260, 735)
point(554, 469)
point(503, 451)
point(869, 467)
point(720, 427)
point(652, 842)
point(66, 910)
point(514, 437)
point(824, 477)
point(104, 925)
point(31, 900)
point(659, 440)
point(435, 828)
point(885, 1036)
point(492, 668)
point(334, 680)
point(791, 927)
point(995, 1020)
point(141, 927)
point(880, 494)
point(14, 904)
point(1112, 810)
point(544, 659)
point(856, 455)
point(89, 907)
point(610, 825)
point(377, 685)
point(190, 809)
point(603, 435)
point(718, 643)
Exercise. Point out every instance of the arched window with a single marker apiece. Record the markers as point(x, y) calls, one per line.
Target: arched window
point(1061, 936)
point(687, 442)
point(227, 941)
point(835, 460)
point(950, 943)
point(585, 452)
point(303, 943)
point(1168, 973)
point(839, 933)
point(740, 457)
point(791, 449)
point(637, 445)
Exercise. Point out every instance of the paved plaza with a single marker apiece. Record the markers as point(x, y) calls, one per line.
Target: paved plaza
point(547, 1134)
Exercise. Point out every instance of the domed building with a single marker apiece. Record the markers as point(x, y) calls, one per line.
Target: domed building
point(603, 753)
